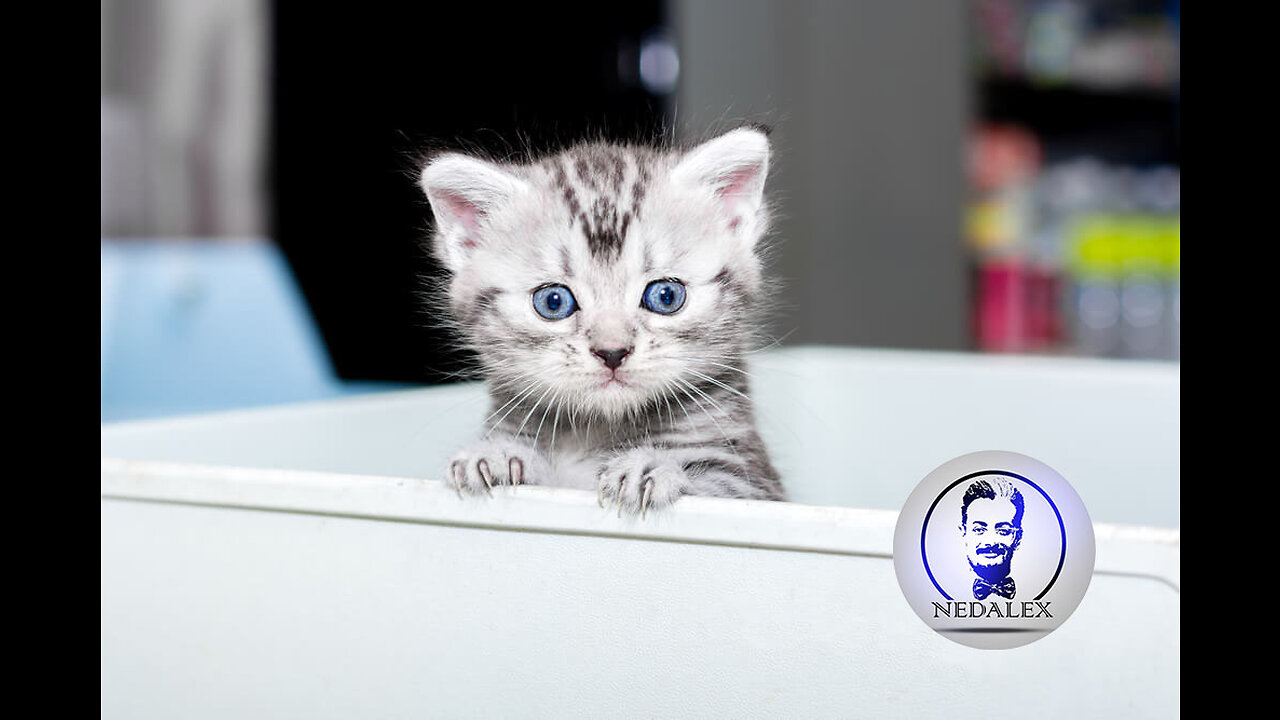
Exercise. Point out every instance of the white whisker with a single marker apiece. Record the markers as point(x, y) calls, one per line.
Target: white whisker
point(532, 410)
point(518, 399)
point(538, 432)
point(728, 442)
point(717, 383)
point(727, 367)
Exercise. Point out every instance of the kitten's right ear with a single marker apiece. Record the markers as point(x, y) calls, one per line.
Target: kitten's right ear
point(733, 167)
point(463, 192)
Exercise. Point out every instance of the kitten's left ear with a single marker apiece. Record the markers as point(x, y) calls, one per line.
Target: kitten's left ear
point(733, 166)
point(464, 191)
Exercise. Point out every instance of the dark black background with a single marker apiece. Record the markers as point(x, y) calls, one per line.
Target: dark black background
point(1130, 127)
point(359, 94)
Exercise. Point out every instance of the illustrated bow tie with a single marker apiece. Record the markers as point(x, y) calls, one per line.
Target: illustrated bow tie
point(1005, 588)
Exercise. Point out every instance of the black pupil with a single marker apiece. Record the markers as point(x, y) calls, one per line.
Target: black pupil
point(553, 301)
point(666, 295)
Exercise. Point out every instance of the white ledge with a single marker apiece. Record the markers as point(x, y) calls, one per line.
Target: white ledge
point(1121, 549)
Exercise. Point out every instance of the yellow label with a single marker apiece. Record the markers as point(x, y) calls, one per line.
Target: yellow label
point(990, 226)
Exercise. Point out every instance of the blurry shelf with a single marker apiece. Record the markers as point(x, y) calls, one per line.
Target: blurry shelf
point(1072, 89)
point(1131, 125)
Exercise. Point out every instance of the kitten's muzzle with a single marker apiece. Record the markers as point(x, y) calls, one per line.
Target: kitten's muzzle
point(612, 358)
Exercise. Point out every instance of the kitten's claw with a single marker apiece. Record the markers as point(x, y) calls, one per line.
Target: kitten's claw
point(655, 482)
point(455, 472)
point(495, 463)
point(483, 468)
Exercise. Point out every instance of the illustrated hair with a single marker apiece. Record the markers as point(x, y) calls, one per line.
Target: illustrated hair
point(991, 489)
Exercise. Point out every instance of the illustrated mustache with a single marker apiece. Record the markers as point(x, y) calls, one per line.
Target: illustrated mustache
point(996, 549)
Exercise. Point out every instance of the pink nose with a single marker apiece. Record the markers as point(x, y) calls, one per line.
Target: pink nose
point(611, 358)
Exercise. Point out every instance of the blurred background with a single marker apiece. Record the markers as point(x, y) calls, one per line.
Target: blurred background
point(991, 176)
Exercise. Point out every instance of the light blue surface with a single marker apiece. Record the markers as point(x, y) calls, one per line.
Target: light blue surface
point(190, 326)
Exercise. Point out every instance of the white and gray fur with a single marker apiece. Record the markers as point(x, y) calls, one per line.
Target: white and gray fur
point(605, 220)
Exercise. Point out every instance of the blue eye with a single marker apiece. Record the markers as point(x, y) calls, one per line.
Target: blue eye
point(554, 302)
point(664, 296)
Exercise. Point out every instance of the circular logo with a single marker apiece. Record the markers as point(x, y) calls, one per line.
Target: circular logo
point(994, 549)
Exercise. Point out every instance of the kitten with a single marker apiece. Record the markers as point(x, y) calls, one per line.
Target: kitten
point(610, 293)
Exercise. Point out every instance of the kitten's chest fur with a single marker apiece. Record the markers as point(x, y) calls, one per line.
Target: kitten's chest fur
point(713, 423)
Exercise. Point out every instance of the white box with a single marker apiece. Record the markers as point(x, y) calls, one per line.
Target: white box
point(301, 561)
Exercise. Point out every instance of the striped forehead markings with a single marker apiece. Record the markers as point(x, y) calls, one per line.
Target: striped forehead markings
point(605, 229)
point(601, 173)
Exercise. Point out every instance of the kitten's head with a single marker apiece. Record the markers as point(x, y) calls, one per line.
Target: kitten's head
point(605, 277)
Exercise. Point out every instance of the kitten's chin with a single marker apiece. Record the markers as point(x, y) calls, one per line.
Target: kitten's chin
point(616, 397)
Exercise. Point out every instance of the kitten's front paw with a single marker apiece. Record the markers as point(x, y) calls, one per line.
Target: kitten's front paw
point(494, 463)
point(640, 480)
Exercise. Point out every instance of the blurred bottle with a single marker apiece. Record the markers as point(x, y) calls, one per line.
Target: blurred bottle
point(1054, 30)
point(1164, 198)
point(1150, 275)
point(999, 40)
point(1043, 267)
point(1003, 166)
point(1063, 191)
point(1095, 240)
point(1173, 268)
point(1144, 312)
point(1122, 257)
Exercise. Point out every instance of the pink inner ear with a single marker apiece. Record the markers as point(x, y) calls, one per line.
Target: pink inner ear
point(737, 184)
point(462, 211)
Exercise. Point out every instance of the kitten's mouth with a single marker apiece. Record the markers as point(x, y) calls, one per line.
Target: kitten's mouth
point(614, 379)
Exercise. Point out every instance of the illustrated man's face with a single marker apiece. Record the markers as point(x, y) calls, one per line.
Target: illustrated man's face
point(990, 537)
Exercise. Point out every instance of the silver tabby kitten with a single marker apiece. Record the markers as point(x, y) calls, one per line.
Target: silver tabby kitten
point(610, 293)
